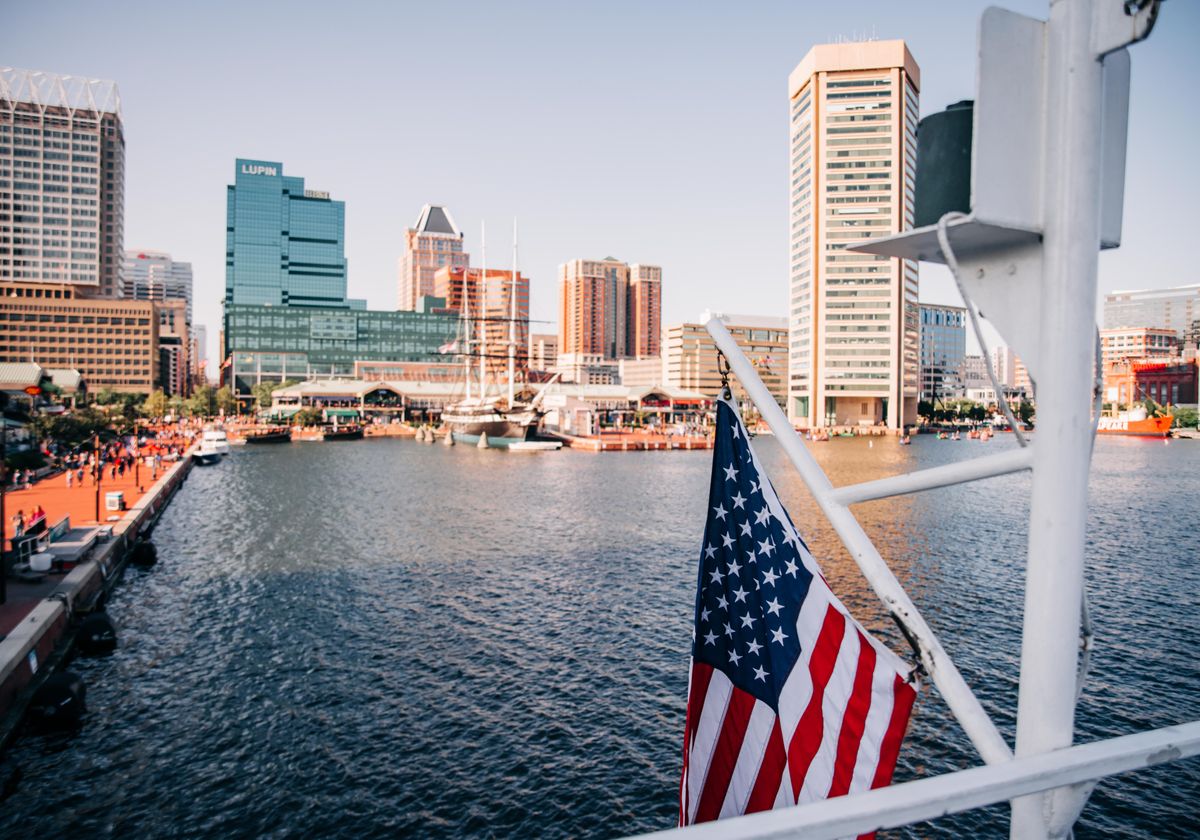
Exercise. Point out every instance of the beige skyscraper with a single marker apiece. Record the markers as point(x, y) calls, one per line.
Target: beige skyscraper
point(433, 242)
point(853, 318)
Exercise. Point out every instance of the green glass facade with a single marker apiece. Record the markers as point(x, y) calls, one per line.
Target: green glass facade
point(284, 245)
point(274, 343)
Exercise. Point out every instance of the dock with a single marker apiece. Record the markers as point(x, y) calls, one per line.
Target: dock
point(38, 617)
point(632, 441)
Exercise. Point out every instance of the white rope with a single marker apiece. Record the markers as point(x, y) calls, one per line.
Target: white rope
point(952, 264)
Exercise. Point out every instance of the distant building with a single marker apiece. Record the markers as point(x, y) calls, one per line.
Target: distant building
point(587, 369)
point(63, 147)
point(974, 374)
point(433, 242)
point(643, 320)
point(943, 350)
point(1010, 370)
point(153, 275)
point(543, 351)
point(853, 317)
point(642, 373)
point(1167, 381)
point(199, 354)
point(174, 346)
point(609, 308)
point(456, 285)
point(284, 244)
point(1137, 343)
point(1176, 309)
point(112, 343)
point(691, 355)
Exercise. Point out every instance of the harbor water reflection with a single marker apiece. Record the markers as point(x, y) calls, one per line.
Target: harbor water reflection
point(386, 638)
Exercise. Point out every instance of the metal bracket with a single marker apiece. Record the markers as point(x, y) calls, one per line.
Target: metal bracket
point(1119, 23)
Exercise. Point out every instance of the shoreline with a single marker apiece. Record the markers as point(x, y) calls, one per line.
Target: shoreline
point(41, 640)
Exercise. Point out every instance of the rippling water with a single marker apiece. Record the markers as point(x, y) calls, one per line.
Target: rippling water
point(383, 638)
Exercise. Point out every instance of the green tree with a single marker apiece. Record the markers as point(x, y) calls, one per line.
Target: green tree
point(263, 390)
point(202, 402)
point(1025, 411)
point(307, 417)
point(1186, 418)
point(176, 405)
point(925, 409)
point(106, 396)
point(225, 400)
point(155, 405)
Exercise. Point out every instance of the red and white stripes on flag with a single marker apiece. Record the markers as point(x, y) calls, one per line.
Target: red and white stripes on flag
point(842, 716)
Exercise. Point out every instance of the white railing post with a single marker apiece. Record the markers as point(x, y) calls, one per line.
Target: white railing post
point(1058, 501)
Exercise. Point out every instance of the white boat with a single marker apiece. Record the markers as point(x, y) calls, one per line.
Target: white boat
point(217, 439)
point(535, 446)
point(207, 453)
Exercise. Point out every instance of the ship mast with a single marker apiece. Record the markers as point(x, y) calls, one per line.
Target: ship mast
point(464, 329)
point(512, 320)
point(482, 314)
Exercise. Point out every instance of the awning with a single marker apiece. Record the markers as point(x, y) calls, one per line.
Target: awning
point(345, 413)
point(283, 412)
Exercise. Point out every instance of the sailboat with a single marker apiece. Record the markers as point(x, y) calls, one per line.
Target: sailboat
point(502, 418)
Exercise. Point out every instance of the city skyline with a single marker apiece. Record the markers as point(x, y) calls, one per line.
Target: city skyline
point(699, 158)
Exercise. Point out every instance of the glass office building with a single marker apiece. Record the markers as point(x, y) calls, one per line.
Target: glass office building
point(285, 245)
point(274, 343)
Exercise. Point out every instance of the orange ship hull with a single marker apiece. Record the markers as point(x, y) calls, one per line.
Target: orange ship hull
point(1148, 427)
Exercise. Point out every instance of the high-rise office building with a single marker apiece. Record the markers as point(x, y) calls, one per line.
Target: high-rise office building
point(943, 350)
point(610, 309)
point(174, 348)
point(153, 275)
point(199, 354)
point(62, 181)
point(643, 320)
point(1175, 309)
point(853, 317)
point(433, 242)
point(284, 244)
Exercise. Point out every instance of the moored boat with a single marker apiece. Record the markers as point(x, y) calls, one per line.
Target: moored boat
point(217, 439)
point(273, 434)
point(1136, 422)
point(350, 432)
point(206, 454)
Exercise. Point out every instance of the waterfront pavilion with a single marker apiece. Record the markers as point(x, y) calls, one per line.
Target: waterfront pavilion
point(388, 400)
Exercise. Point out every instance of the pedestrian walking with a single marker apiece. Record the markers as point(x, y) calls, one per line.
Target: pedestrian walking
point(18, 522)
point(70, 477)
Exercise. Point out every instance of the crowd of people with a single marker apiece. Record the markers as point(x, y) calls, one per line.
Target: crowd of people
point(86, 466)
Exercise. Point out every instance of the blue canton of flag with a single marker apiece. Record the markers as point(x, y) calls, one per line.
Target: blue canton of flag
point(789, 699)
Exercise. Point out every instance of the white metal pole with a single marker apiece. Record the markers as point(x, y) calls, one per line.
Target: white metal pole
point(959, 697)
point(1058, 500)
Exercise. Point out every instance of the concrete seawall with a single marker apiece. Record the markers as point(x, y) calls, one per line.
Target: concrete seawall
point(36, 646)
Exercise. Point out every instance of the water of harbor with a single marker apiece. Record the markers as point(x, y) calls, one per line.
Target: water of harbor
point(384, 638)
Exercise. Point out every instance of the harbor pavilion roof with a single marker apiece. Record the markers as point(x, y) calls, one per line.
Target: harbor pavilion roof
point(356, 389)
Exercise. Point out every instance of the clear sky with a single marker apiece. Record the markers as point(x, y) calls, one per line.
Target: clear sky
point(650, 131)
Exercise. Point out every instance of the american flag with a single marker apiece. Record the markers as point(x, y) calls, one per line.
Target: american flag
point(789, 700)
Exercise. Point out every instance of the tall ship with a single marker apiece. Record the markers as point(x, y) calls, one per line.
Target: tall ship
point(1136, 421)
point(500, 418)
